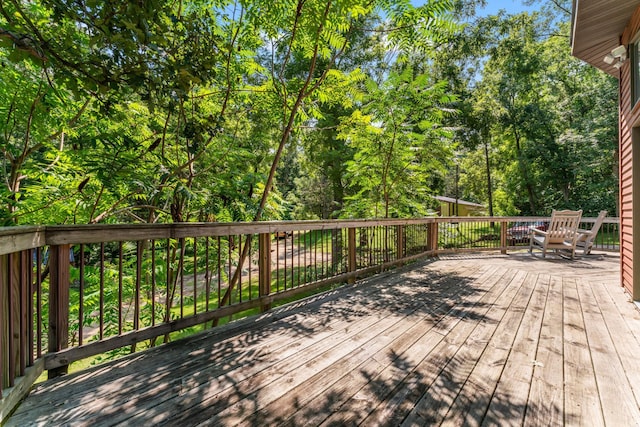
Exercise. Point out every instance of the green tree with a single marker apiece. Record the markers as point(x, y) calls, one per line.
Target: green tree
point(398, 145)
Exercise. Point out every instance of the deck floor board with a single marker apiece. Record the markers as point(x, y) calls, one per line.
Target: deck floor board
point(461, 340)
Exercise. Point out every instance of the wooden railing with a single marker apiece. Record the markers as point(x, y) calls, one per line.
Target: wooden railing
point(69, 293)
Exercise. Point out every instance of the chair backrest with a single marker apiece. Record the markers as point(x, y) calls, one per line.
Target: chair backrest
point(598, 223)
point(596, 226)
point(563, 226)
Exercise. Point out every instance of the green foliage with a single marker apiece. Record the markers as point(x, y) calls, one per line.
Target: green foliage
point(221, 110)
point(398, 143)
point(537, 123)
point(178, 111)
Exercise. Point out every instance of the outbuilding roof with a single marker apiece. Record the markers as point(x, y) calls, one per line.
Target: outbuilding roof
point(460, 201)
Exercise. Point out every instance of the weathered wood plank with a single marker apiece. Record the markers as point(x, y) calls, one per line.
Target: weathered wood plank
point(356, 393)
point(59, 303)
point(344, 311)
point(12, 396)
point(446, 334)
point(510, 395)
point(444, 393)
point(4, 322)
point(351, 350)
point(253, 379)
point(394, 408)
point(96, 233)
point(623, 320)
point(219, 357)
point(627, 309)
point(472, 402)
point(546, 397)
point(16, 239)
point(619, 407)
point(581, 401)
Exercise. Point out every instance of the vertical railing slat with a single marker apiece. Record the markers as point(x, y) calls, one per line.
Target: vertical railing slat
point(59, 303)
point(153, 282)
point(4, 321)
point(433, 237)
point(264, 268)
point(28, 266)
point(38, 303)
point(400, 242)
point(120, 289)
point(81, 298)
point(351, 247)
point(219, 272)
point(136, 306)
point(101, 313)
point(503, 237)
point(207, 274)
point(22, 265)
point(195, 276)
point(181, 273)
point(13, 319)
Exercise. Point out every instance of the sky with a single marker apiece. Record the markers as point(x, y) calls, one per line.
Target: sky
point(493, 6)
point(511, 6)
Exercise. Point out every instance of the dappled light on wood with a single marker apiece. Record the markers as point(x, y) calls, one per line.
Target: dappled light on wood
point(458, 340)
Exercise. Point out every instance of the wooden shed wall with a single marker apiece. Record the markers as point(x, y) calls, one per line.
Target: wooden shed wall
point(629, 161)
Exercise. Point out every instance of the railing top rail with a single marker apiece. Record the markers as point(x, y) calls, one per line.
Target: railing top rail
point(13, 239)
point(104, 232)
point(449, 219)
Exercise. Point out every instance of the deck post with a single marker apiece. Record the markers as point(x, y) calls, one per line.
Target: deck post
point(264, 268)
point(59, 269)
point(22, 269)
point(4, 322)
point(13, 316)
point(432, 237)
point(399, 242)
point(503, 237)
point(351, 247)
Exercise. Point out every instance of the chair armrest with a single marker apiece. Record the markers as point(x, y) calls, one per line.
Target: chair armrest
point(536, 231)
point(584, 235)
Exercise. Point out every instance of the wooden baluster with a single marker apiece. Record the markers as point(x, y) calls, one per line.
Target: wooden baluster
point(400, 242)
point(264, 268)
point(4, 322)
point(13, 326)
point(22, 268)
point(503, 237)
point(351, 247)
point(30, 285)
point(432, 236)
point(14, 316)
point(59, 303)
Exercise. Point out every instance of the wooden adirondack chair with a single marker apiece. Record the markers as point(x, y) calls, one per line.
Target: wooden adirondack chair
point(586, 237)
point(562, 233)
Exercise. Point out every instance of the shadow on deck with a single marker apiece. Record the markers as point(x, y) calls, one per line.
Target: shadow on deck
point(458, 340)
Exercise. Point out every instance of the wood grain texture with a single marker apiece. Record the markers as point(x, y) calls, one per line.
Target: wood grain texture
point(461, 340)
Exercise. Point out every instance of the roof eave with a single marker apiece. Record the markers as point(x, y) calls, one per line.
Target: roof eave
point(596, 29)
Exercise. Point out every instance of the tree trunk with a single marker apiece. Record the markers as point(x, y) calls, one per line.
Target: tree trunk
point(525, 174)
point(488, 169)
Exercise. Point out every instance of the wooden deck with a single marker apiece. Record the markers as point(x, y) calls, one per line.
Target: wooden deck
point(462, 340)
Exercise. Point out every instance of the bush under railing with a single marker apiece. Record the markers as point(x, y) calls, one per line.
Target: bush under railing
point(69, 293)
